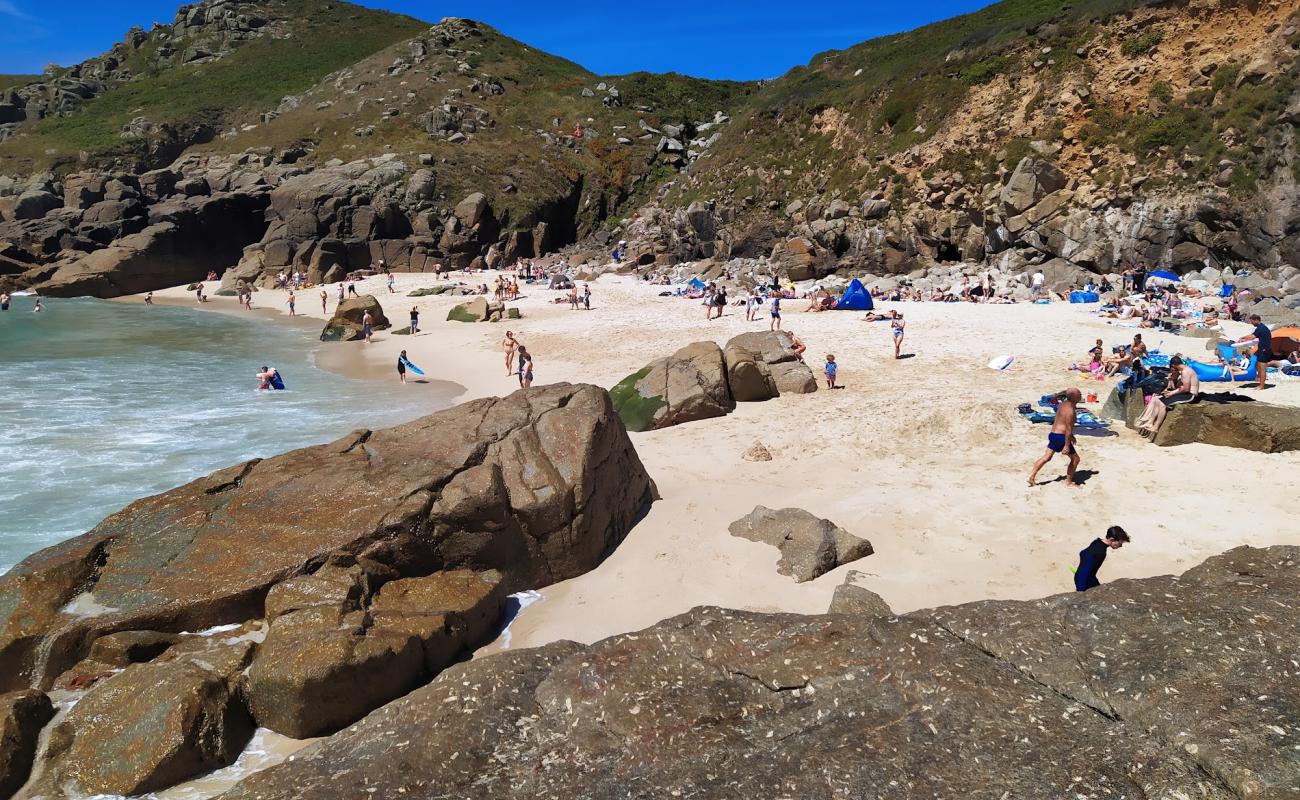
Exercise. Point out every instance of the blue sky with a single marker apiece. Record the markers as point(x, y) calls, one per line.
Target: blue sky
point(741, 40)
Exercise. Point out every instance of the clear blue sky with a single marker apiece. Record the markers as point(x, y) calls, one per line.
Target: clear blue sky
point(741, 40)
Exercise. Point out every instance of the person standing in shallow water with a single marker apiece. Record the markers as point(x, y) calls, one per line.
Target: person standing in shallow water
point(1094, 555)
point(4, 300)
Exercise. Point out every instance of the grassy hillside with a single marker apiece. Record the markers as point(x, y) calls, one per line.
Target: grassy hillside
point(971, 93)
point(8, 82)
point(314, 40)
point(524, 154)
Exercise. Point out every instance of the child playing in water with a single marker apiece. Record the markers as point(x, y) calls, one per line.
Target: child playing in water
point(831, 371)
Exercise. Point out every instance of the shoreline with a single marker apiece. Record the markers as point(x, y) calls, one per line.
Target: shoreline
point(925, 457)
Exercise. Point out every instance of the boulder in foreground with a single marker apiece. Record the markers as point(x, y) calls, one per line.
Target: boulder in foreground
point(376, 561)
point(1167, 687)
point(809, 546)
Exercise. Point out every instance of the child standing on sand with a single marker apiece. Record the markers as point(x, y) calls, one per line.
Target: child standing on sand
point(831, 371)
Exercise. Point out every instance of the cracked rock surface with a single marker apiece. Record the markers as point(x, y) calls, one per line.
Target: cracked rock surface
point(1171, 687)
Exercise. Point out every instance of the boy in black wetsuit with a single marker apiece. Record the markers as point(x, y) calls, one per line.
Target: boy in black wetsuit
point(1094, 555)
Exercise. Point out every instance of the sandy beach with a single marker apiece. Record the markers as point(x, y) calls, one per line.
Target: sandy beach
point(925, 457)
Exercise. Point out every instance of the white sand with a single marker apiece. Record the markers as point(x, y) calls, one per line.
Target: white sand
point(924, 457)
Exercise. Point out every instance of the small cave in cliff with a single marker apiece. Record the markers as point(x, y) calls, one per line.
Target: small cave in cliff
point(947, 253)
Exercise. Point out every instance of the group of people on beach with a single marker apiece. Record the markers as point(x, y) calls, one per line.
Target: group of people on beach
point(514, 350)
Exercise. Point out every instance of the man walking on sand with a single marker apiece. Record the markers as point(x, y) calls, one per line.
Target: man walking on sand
point(1094, 555)
point(293, 302)
point(1061, 439)
point(776, 313)
point(367, 326)
point(1036, 285)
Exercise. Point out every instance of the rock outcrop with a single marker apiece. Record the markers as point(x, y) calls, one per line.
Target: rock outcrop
point(689, 385)
point(376, 560)
point(1166, 687)
point(348, 322)
point(22, 716)
point(853, 597)
point(809, 546)
point(1229, 420)
point(480, 309)
point(153, 724)
point(764, 365)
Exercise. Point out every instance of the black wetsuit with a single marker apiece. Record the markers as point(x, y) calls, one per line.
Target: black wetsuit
point(1090, 560)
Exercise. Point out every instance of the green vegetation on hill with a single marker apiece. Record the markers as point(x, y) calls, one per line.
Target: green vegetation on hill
point(325, 37)
point(8, 82)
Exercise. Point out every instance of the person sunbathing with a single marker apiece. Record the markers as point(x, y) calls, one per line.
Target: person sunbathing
point(1121, 360)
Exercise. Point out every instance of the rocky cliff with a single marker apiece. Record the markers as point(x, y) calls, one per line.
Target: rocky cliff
point(1170, 687)
point(302, 591)
point(1085, 138)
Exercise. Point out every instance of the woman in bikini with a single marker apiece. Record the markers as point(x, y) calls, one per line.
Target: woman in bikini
point(508, 346)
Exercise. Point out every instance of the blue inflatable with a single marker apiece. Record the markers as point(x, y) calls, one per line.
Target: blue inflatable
point(856, 297)
point(1085, 297)
point(1213, 373)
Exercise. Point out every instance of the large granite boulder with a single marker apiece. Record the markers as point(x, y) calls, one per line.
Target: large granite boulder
point(1230, 420)
point(22, 716)
point(152, 725)
point(1171, 687)
point(809, 546)
point(347, 323)
point(325, 665)
point(689, 385)
point(539, 485)
point(764, 365)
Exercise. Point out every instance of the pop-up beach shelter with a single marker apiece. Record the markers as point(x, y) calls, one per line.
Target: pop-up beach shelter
point(856, 298)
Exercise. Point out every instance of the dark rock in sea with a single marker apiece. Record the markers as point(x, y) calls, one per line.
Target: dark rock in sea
point(1167, 687)
point(809, 546)
point(687, 386)
point(764, 365)
point(22, 716)
point(347, 324)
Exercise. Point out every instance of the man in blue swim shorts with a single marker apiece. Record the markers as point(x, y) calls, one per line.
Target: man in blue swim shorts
point(1061, 439)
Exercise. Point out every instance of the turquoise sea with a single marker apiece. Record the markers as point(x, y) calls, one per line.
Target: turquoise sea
point(102, 403)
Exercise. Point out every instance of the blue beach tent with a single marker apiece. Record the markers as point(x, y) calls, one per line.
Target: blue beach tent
point(856, 298)
point(1165, 274)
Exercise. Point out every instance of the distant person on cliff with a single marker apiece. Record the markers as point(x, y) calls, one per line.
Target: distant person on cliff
point(1094, 555)
point(293, 304)
point(1061, 438)
point(415, 320)
point(367, 326)
point(525, 368)
point(508, 346)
